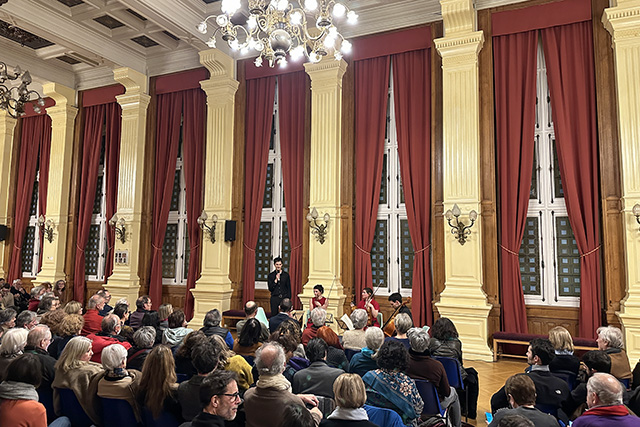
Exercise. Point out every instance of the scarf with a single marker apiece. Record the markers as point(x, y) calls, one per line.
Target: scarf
point(13, 390)
point(349, 414)
point(279, 382)
point(614, 410)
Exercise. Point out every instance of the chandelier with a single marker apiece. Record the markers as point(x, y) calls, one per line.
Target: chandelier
point(13, 98)
point(278, 28)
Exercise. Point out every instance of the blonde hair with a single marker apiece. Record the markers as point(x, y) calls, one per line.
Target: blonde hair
point(349, 391)
point(70, 325)
point(70, 357)
point(561, 339)
point(164, 311)
point(73, 307)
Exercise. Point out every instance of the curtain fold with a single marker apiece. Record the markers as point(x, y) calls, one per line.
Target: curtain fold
point(43, 185)
point(568, 51)
point(112, 167)
point(169, 107)
point(291, 96)
point(193, 129)
point(515, 71)
point(412, 96)
point(371, 89)
point(33, 129)
point(91, 144)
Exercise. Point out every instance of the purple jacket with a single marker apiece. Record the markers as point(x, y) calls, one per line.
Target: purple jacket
point(605, 416)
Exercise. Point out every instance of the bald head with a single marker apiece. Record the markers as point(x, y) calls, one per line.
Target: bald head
point(270, 359)
point(250, 309)
point(603, 390)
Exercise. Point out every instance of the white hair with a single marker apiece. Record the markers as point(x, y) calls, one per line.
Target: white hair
point(13, 341)
point(606, 387)
point(359, 318)
point(318, 316)
point(113, 356)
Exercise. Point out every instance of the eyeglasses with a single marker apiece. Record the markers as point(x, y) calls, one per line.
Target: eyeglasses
point(234, 396)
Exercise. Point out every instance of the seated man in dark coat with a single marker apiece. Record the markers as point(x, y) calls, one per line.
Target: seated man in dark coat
point(205, 359)
point(284, 315)
point(595, 361)
point(521, 393)
point(211, 323)
point(318, 378)
point(219, 399)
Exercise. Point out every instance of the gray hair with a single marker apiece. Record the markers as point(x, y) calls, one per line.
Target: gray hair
point(109, 323)
point(419, 339)
point(25, 318)
point(403, 323)
point(112, 356)
point(359, 318)
point(13, 341)
point(612, 335)
point(318, 316)
point(270, 359)
point(374, 337)
point(212, 318)
point(36, 290)
point(37, 334)
point(606, 387)
point(145, 337)
point(6, 315)
point(94, 301)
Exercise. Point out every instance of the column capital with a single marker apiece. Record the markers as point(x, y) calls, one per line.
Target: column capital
point(65, 98)
point(326, 73)
point(459, 16)
point(134, 82)
point(218, 63)
point(461, 46)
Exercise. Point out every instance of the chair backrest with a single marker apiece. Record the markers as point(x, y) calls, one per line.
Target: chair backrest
point(547, 409)
point(625, 382)
point(380, 319)
point(349, 352)
point(166, 419)
point(383, 417)
point(182, 378)
point(118, 412)
point(249, 359)
point(430, 398)
point(453, 370)
point(72, 409)
point(45, 396)
point(568, 377)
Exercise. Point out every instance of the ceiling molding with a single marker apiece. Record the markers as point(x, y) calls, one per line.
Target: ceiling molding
point(13, 54)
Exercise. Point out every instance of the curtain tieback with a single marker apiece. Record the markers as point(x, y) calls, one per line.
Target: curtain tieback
point(248, 248)
point(79, 248)
point(296, 247)
point(155, 247)
point(196, 246)
point(510, 251)
point(591, 251)
point(17, 247)
point(362, 250)
point(422, 250)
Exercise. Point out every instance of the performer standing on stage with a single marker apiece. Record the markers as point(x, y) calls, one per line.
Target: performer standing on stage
point(279, 285)
point(370, 305)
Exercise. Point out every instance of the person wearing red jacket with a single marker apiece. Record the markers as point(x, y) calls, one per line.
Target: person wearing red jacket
point(109, 335)
point(92, 318)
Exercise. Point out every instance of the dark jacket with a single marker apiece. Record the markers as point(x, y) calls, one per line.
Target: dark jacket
point(347, 423)
point(565, 363)
point(550, 390)
point(317, 379)
point(135, 318)
point(221, 332)
point(48, 366)
point(423, 367)
point(281, 289)
point(362, 363)
point(189, 397)
point(539, 418)
point(276, 320)
point(205, 419)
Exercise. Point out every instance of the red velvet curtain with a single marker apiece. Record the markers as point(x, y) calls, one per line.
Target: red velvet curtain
point(91, 144)
point(371, 89)
point(412, 96)
point(43, 185)
point(291, 96)
point(515, 62)
point(112, 167)
point(260, 94)
point(167, 138)
point(568, 52)
point(34, 131)
point(193, 129)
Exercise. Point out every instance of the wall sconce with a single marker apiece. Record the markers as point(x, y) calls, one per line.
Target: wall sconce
point(118, 223)
point(460, 229)
point(209, 231)
point(636, 213)
point(47, 227)
point(318, 230)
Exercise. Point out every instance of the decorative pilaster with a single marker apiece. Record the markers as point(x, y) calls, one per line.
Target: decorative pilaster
point(623, 23)
point(463, 300)
point(125, 281)
point(213, 288)
point(324, 193)
point(63, 116)
point(7, 126)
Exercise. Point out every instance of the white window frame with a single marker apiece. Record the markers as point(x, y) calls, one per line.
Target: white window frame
point(33, 222)
point(101, 220)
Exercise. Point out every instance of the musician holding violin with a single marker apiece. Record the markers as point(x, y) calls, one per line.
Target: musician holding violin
point(370, 305)
point(318, 299)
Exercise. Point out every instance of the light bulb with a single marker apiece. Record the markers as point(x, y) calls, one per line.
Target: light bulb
point(211, 43)
point(339, 9)
point(230, 6)
point(296, 18)
point(313, 57)
point(258, 61)
point(222, 20)
point(333, 31)
point(329, 42)
point(337, 55)
point(233, 44)
point(202, 27)
point(282, 5)
point(310, 4)
point(352, 17)
point(259, 46)
point(346, 46)
point(296, 53)
point(282, 62)
point(252, 22)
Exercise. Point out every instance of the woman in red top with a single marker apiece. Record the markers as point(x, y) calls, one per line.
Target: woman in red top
point(371, 306)
point(318, 300)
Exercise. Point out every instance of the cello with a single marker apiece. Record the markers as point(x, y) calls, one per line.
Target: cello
point(389, 327)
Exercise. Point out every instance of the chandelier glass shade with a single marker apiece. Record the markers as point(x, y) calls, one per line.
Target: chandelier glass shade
point(277, 28)
point(14, 98)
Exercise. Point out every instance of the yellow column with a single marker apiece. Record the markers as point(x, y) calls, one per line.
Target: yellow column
point(326, 145)
point(463, 300)
point(623, 22)
point(7, 126)
point(125, 280)
point(213, 288)
point(63, 116)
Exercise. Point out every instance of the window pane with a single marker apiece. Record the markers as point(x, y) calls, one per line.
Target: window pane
point(558, 192)
point(533, 193)
point(169, 251)
point(175, 195)
point(263, 252)
point(529, 257)
point(273, 132)
point(92, 251)
point(187, 253)
point(383, 184)
point(28, 249)
point(33, 209)
point(568, 259)
point(267, 201)
point(406, 255)
point(379, 253)
point(97, 201)
point(286, 246)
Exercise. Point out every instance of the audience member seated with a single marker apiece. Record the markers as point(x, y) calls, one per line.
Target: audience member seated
point(59, 290)
point(402, 323)
point(284, 314)
point(75, 371)
point(143, 305)
point(354, 339)
point(611, 341)
point(318, 378)
point(143, 340)
point(594, 361)
point(363, 362)
point(564, 361)
point(118, 382)
point(177, 329)
point(250, 311)
point(288, 339)
point(350, 397)
point(219, 399)
point(6, 297)
point(52, 319)
point(70, 326)
point(551, 391)
point(272, 392)
point(73, 307)
point(164, 311)
point(92, 318)
point(122, 311)
point(26, 320)
point(293, 328)
point(157, 391)
point(184, 353)
point(296, 415)
point(318, 299)
point(521, 392)
point(13, 343)
point(317, 317)
point(38, 341)
point(388, 387)
point(109, 335)
point(230, 361)
point(212, 326)
point(604, 399)
point(20, 295)
point(36, 296)
point(7, 320)
point(152, 319)
point(107, 309)
point(205, 359)
point(49, 302)
point(335, 355)
point(249, 339)
point(445, 343)
point(423, 367)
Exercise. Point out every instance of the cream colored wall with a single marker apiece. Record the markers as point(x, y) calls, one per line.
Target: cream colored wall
point(7, 127)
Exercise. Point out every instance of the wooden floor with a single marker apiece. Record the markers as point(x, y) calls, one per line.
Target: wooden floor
point(491, 377)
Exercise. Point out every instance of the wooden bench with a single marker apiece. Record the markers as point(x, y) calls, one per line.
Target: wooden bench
point(236, 315)
point(581, 345)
